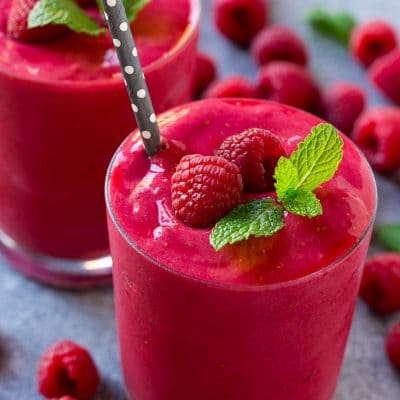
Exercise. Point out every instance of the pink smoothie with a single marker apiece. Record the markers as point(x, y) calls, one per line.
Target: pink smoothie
point(63, 111)
point(266, 318)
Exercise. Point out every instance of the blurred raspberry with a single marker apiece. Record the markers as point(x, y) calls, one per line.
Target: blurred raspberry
point(66, 369)
point(393, 345)
point(377, 133)
point(278, 42)
point(289, 83)
point(240, 20)
point(342, 104)
point(385, 74)
point(234, 86)
point(206, 72)
point(204, 189)
point(372, 40)
point(380, 286)
point(256, 152)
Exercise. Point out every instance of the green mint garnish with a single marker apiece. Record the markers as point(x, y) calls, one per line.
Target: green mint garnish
point(132, 7)
point(389, 235)
point(337, 26)
point(255, 218)
point(63, 12)
point(313, 163)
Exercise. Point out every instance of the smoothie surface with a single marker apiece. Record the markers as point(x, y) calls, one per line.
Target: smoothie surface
point(140, 195)
point(78, 57)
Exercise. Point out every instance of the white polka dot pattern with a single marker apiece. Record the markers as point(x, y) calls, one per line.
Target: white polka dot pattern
point(133, 76)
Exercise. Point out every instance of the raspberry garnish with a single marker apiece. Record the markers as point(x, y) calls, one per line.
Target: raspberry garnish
point(278, 42)
point(377, 133)
point(385, 74)
point(66, 369)
point(204, 189)
point(63, 398)
point(342, 104)
point(240, 20)
point(17, 24)
point(234, 86)
point(288, 83)
point(206, 71)
point(256, 152)
point(393, 345)
point(372, 40)
point(380, 286)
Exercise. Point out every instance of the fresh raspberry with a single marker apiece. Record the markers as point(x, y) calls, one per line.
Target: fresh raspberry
point(256, 152)
point(288, 83)
point(234, 86)
point(206, 72)
point(380, 286)
point(385, 74)
point(204, 189)
point(17, 24)
point(63, 398)
point(377, 133)
point(86, 3)
point(278, 42)
point(342, 104)
point(240, 20)
point(66, 369)
point(393, 345)
point(372, 40)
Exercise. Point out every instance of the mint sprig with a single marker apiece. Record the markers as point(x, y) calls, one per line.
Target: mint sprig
point(69, 14)
point(314, 162)
point(255, 218)
point(337, 26)
point(63, 12)
point(389, 235)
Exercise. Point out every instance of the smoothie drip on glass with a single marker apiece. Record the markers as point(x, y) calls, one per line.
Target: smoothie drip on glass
point(63, 112)
point(263, 318)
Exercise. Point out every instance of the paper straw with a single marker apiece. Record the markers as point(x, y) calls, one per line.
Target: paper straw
point(138, 92)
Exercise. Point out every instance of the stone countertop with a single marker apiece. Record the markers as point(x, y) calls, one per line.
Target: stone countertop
point(33, 316)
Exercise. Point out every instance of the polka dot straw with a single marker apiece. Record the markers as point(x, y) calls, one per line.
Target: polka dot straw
point(124, 44)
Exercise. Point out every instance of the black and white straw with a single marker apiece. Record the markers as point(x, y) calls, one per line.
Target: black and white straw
point(124, 44)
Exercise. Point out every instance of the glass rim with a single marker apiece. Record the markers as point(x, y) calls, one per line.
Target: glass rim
point(188, 33)
point(235, 286)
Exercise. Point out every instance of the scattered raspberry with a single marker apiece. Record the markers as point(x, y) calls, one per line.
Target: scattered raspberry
point(256, 152)
point(372, 40)
point(66, 369)
point(377, 133)
point(288, 83)
point(393, 345)
point(86, 3)
point(206, 72)
point(204, 189)
point(17, 24)
point(342, 105)
point(380, 287)
point(234, 86)
point(385, 74)
point(240, 20)
point(278, 42)
point(63, 398)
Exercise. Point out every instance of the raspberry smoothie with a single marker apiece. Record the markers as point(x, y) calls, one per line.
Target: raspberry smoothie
point(263, 318)
point(63, 111)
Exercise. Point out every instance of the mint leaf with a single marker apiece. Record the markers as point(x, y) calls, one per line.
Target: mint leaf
point(302, 202)
point(318, 157)
point(314, 162)
point(389, 235)
point(255, 218)
point(337, 26)
point(132, 7)
point(63, 12)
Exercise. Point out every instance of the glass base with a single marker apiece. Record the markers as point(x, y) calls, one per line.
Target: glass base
point(62, 273)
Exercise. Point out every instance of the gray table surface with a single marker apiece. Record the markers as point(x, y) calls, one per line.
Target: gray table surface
point(32, 316)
